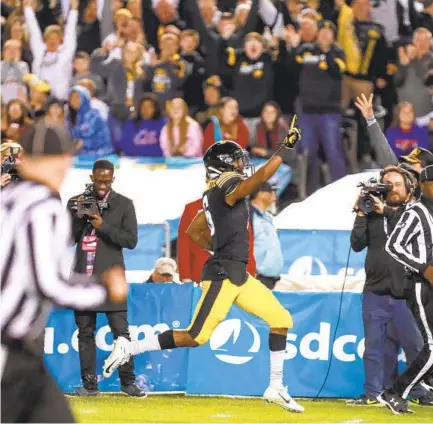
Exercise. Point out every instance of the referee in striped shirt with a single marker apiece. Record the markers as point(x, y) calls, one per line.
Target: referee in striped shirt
point(411, 244)
point(35, 274)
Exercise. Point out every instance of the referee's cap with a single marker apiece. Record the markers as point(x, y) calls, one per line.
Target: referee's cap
point(426, 174)
point(44, 139)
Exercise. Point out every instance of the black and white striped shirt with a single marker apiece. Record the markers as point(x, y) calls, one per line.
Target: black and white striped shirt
point(35, 260)
point(411, 241)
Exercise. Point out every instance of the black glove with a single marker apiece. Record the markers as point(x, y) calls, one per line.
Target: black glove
point(290, 140)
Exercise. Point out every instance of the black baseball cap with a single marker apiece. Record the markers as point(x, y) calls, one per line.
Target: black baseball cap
point(418, 155)
point(44, 139)
point(267, 187)
point(426, 174)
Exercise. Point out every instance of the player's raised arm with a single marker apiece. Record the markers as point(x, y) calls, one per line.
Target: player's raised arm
point(253, 183)
point(198, 231)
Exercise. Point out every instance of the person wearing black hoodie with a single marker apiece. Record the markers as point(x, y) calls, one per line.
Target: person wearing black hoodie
point(215, 44)
point(195, 69)
point(321, 66)
point(388, 322)
point(253, 75)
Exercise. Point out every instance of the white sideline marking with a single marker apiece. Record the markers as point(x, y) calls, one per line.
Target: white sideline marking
point(354, 421)
point(222, 416)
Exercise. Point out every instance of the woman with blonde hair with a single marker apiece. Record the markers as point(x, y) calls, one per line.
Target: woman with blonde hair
point(404, 134)
point(125, 77)
point(182, 135)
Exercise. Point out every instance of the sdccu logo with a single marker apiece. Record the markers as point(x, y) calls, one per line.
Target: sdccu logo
point(102, 341)
point(315, 346)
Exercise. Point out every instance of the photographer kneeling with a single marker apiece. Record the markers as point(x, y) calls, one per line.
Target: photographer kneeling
point(103, 223)
point(388, 322)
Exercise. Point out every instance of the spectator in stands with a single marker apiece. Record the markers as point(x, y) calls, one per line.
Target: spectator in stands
point(308, 29)
point(95, 102)
point(165, 271)
point(365, 49)
point(196, 74)
point(168, 72)
point(404, 135)
point(89, 31)
point(227, 124)
point(115, 42)
point(253, 77)
point(55, 112)
point(181, 136)
point(88, 128)
point(39, 92)
point(82, 71)
point(270, 130)
point(53, 53)
point(267, 248)
point(13, 70)
point(322, 65)
point(141, 135)
point(215, 44)
point(415, 61)
point(136, 32)
point(212, 96)
point(16, 31)
point(125, 78)
point(16, 117)
point(158, 15)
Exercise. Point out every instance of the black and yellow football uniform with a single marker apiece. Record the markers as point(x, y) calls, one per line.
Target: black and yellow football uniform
point(224, 278)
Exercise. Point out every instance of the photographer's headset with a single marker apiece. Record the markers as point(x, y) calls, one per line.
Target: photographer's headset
point(409, 180)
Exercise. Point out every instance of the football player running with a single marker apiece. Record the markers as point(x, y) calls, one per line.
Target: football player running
point(222, 227)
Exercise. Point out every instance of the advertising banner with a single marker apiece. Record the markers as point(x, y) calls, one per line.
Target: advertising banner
point(236, 359)
point(323, 353)
point(325, 252)
point(152, 309)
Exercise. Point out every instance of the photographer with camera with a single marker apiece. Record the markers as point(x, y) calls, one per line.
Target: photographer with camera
point(388, 322)
point(10, 153)
point(103, 223)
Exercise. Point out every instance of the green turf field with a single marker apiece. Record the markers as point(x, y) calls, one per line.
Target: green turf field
point(181, 409)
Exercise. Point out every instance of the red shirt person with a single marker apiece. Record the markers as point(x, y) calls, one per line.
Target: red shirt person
point(190, 256)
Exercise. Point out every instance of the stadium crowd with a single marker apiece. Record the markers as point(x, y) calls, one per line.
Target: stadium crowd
point(170, 77)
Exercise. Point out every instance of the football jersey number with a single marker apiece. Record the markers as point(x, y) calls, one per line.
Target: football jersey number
point(208, 216)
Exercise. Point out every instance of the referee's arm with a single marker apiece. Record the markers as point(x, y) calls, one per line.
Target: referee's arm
point(406, 232)
point(47, 234)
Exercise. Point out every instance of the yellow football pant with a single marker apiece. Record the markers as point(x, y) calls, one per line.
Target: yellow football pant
point(218, 297)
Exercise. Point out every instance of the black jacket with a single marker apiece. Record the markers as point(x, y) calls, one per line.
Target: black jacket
point(214, 46)
point(383, 274)
point(252, 81)
point(118, 231)
point(320, 77)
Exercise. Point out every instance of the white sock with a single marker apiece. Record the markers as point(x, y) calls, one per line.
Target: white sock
point(149, 344)
point(277, 363)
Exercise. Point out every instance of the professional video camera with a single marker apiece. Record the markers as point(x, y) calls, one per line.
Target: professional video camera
point(9, 165)
point(89, 205)
point(375, 188)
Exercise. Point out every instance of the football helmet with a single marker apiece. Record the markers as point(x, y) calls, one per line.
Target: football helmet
point(227, 155)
